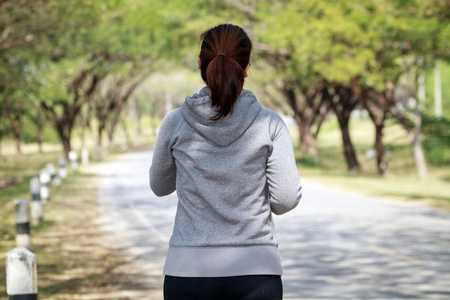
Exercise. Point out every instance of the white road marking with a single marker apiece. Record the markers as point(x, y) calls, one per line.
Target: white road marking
point(398, 255)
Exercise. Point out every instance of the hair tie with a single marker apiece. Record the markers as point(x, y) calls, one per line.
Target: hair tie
point(221, 53)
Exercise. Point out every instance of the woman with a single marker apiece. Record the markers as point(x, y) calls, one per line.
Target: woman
point(232, 164)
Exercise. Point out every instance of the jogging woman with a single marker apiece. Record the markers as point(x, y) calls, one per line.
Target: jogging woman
point(232, 164)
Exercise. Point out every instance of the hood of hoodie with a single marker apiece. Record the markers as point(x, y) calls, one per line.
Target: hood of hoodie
point(197, 111)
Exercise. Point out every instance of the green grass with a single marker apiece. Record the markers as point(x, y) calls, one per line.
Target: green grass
point(27, 164)
point(71, 253)
point(402, 181)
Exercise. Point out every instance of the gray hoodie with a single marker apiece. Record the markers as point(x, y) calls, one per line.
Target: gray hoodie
point(230, 175)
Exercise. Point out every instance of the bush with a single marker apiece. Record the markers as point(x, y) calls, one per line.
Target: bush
point(436, 143)
point(437, 150)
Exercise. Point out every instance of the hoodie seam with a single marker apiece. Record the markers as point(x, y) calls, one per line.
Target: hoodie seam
point(175, 124)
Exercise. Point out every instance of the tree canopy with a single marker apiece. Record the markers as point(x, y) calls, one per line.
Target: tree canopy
point(64, 59)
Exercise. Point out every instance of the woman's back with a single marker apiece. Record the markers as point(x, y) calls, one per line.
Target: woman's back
point(221, 175)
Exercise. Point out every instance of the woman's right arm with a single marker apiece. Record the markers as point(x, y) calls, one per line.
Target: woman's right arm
point(163, 170)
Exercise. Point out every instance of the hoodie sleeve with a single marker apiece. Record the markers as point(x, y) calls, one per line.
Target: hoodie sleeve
point(282, 175)
point(163, 170)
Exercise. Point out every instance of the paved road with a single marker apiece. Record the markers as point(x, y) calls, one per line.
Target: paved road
point(333, 245)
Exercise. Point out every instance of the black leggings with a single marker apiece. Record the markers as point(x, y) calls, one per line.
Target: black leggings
point(251, 287)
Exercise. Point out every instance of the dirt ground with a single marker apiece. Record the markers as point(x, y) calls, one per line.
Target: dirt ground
point(75, 259)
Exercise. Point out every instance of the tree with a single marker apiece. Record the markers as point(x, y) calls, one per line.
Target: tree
point(13, 110)
point(343, 101)
point(111, 100)
point(312, 38)
point(62, 105)
point(34, 36)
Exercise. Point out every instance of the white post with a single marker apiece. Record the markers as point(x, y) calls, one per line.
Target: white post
point(21, 275)
point(62, 168)
point(22, 223)
point(73, 157)
point(53, 175)
point(85, 157)
point(36, 204)
point(437, 91)
point(44, 177)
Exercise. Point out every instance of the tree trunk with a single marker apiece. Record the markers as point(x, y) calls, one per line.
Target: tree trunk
point(64, 136)
point(349, 151)
point(39, 139)
point(382, 166)
point(17, 132)
point(15, 121)
point(421, 89)
point(343, 103)
point(101, 127)
point(111, 130)
point(18, 141)
point(419, 158)
point(111, 138)
point(39, 126)
point(83, 138)
point(306, 110)
point(308, 143)
point(99, 137)
point(64, 126)
point(414, 139)
point(66, 146)
point(125, 131)
point(377, 105)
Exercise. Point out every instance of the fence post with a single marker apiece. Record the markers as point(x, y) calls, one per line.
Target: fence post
point(45, 184)
point(36, 204)
point(73, 157)
point(62, 168)
point(21, 275)
point(53, 175)
point(22, 223)
point(85, 157)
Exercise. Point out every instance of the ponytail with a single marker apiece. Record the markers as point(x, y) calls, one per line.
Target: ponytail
point(225, 54)
point(226, 80)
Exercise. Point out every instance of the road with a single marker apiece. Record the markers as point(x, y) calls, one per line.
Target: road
point(333, 245)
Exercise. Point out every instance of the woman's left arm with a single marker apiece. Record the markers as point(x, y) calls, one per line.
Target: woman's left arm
point(163, 171)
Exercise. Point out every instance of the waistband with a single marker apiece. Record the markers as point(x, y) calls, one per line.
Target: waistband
point(222, 261)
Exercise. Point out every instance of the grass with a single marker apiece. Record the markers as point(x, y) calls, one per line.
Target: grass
point(74, 259)
point(402, 181)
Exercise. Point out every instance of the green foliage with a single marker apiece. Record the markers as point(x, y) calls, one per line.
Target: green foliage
point(445, 79)
point(373, 41)
point(436, 127)
point(46, 44)
point(437, 140)
point(437, 150)
point(4, 129)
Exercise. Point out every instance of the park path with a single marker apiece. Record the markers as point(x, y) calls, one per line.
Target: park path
point(334, 245)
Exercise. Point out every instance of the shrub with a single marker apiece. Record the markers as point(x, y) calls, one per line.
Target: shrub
point(436, 143)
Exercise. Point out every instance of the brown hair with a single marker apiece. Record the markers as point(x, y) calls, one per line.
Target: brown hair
point(224, 55)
